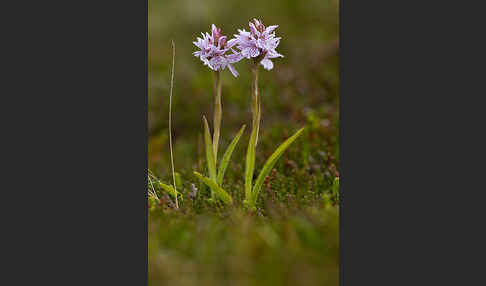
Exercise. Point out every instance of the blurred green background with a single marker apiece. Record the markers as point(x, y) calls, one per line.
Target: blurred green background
point(293, 239)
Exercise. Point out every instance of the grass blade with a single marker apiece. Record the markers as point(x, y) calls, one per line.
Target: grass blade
point(269, 165)
point(227, 156)
point(250, 163)
point(335, 188)
point(222, 194)
point(209, 151)
point(170, 121)
point(170, 190)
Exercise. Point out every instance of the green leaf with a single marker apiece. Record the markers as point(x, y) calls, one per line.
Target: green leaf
point(222, 194)
point(227, 156)
point(269, 165)
point(335, 188)
point(250, 163)
point(169, 189)
point(209, 151)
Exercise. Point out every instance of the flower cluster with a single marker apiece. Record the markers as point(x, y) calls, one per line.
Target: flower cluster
point(213, 51)
point(259, 43)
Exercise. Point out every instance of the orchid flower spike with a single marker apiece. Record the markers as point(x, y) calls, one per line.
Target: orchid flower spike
point(213, 51)
point(259, 43)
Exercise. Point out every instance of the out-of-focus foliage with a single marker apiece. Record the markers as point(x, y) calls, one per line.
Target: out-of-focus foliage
point(297, 249)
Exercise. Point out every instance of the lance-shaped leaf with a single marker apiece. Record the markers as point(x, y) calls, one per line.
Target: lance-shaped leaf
point(209, 151)
point(227, 156)
point(170, 190)
point(222, 194)
point(250, 163)
point(269, 165)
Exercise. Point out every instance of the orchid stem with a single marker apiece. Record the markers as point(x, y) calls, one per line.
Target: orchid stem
point(250, 157)
point(218, 110)
point(256, 103)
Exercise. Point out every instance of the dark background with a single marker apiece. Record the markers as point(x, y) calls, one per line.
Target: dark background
point(75, 136)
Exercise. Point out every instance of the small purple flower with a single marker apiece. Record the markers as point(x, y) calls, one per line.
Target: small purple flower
point(259, 43)
point(213, 51)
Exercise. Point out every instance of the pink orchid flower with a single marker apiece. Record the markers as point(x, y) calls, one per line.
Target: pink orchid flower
point(213, 50)
point(259, 43)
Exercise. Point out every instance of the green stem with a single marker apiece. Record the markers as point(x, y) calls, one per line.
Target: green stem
point(250, 156)
point(218, 110)
point(258, 104)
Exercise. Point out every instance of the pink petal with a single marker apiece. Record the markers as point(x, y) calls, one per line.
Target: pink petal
point(270, 29)
point(221, 41)
point(233, 70)
point(232, 42)
point(267, 64)
point(254, 30)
